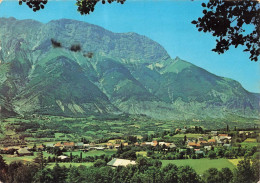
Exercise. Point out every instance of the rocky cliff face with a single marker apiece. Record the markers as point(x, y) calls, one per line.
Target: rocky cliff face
point(127, 73)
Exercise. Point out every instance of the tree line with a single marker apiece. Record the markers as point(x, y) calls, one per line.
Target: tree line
point(146, 170)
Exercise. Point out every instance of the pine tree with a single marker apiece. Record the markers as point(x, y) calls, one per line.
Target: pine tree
point(41, 160)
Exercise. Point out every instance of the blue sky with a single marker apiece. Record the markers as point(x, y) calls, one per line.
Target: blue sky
point(167, 22)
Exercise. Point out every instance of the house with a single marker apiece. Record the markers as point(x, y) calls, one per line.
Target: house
point(148, 143)
point(214, 133)
point(162, 143)
point(62, 157)
point(200, 139)
point(223, 135)
point(40, 147)
point(58, 144)
point(117, 146)
point(116, 162)
point(68, 145)
point(203, 143)
point(100, 148)
point(154, 143)
point(207, 148)
point(228, 146)
point(110, 145)
point(199, 152)
point(79, 145)
point(49, 145)
point(85, 146)
point(24, 152)
point(212, 141)
point(220, 143)
point(172, 146)
point(193, 144)
point(137, 144)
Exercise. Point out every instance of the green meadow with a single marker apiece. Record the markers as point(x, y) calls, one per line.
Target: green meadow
point(201, 165)
point(91, 153)
point(67, 165)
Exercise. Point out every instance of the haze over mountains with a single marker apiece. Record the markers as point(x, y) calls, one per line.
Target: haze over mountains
point(128, 73)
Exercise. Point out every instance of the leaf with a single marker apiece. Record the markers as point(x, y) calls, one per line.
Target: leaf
point(194, 22)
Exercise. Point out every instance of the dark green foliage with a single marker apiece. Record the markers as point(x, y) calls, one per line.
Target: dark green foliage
point(211, 176)
point(225, 175)
point(212, 154)
point(228, 21)
point(187, 175)
point(100, 163)
point(35, 5)
point(19, 172)
point(59, 174)
point(84, 6)
point(40, 160)
point(146, 170)
point(245, 172)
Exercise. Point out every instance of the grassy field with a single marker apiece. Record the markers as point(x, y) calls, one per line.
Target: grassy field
point(235, 161)
point(250, 140)
point(10, 158)
point(143, 153)
point(67, 165)
point(249, 144)
point(201, 165)
point(188, 135)
point(92, 153)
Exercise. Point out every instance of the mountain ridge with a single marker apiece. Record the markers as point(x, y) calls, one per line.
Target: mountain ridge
point(128, 73)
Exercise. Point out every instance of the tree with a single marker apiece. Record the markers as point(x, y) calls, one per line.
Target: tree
point(3, 169)
point(256, 166)
point(84, 6)
point(99, 163)
point(43, 176)
point(187, 174)
point(128, 155)
point(71, 157)
point(211, 176)
point(244, 172)
point(59, 173)
point(170, 172)
point(184, 139)
point(73, 175)
point(80, 157)
point(225, 175)
point(212, 154)
point(40, 160)
point(228, 21)
point(24, 173)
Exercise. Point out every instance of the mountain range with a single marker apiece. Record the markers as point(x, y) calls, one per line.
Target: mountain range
point(128, 73)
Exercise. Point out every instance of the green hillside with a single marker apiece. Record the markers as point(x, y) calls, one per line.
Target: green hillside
point(128, 73)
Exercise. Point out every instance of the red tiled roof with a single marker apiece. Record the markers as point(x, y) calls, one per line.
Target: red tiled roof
point(224, 135)
point(192, 144)
point(69, 144)
point(211, 140)
point(203, 141)
point(58, 144)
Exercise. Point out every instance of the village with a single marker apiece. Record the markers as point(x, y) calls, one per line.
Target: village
point(124, 151)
